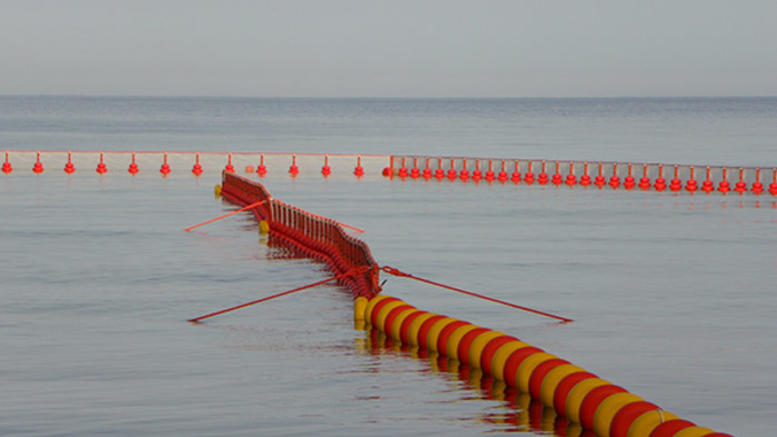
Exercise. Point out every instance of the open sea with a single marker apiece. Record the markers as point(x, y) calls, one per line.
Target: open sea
point(674, 296)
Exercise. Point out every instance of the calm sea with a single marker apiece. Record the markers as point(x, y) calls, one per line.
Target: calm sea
point(673, 296)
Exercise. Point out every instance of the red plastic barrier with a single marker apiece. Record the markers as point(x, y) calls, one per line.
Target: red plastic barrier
point(315, 236)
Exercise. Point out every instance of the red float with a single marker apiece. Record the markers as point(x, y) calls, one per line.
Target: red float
point(599, 181)
point(229, 167)
point(415, 173)
point(691, 186)
point(629, 182)
point(389, 171)
point(542, 179)
point(529, 176)
point(571, 178)
point(452, 171)
point(615, 181)
point(133, 167)
point(490, 172)
point(585, 179)
point(165, 168)
point(676, 184)
point(261, 169)
point(758, 187)
point(358, 171)
point(644, 181)
point(556, 179)
point(326, 170)
point(503, 173)
point(741, 186)
point(439, 173)
point(724, 186)
point(7, 167)
point(477, 174)
point(707, 185)
point(403, 170)
point(773, 185)
point(38, 166)
point(197, 168)
point(464, 173)
point(293, 169)
point(69, 167)
point(427, 173)
point(516, 176)
point(660, 184)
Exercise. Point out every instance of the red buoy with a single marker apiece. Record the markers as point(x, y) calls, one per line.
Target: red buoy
point(133, 167)
point(69, 167)
point(415, 173)
point(477, 174)
point(660, 181)
point(464, 173)
point(629, 182)
point(724, 186)
point(502, 174)
point(676, 184)
point(197, 168)
point(516, 176)
point(644, 181)
point(389, 171)
point(325, 169)
point(556, 179)
point(7, 167)
point(261, 170)
point(691, 185)
point(439, 173)
point(165, 168)
point(452, 171)
point(427, 173)
point(490, 173)
point(615, 181)
point(293, 169)
point(585, 179)
point(773, 185)
point(529, 176)
point(542, 179)
point(358, 171)
point(402, 170)
point(229, 167)
point(758, 187)
point(599, 181)
point(38, 166)
point(741, 186)
point(571, 178)
point(707, 185)
point(101, 168)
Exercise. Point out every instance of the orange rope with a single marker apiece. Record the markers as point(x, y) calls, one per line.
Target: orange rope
point(397, 272)
point(253, 205)
point(353, 271)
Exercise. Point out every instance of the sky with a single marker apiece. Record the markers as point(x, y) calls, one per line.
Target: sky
point(398, 48)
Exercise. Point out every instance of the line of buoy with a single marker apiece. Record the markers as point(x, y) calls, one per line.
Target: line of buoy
point(583, 398)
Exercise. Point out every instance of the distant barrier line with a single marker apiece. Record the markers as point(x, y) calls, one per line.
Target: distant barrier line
point(583, 402)
point(611, 175)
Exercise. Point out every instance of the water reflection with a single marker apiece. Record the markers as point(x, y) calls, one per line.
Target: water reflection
point(520, 413)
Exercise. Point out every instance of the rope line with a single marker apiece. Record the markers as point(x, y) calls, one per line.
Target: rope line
point(397, 272)
point(351, 272)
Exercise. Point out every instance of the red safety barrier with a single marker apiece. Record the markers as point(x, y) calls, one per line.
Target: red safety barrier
point(315, 236)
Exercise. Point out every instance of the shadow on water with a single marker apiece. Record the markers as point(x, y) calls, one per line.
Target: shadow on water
point(521, 412)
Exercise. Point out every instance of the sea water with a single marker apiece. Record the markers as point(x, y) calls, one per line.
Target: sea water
point(673, 296)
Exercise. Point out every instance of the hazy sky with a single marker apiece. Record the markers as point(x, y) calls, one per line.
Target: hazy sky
point(389, 48)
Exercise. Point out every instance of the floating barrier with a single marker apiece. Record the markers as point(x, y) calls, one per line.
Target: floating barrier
point(541, 380)
point(601, 175)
